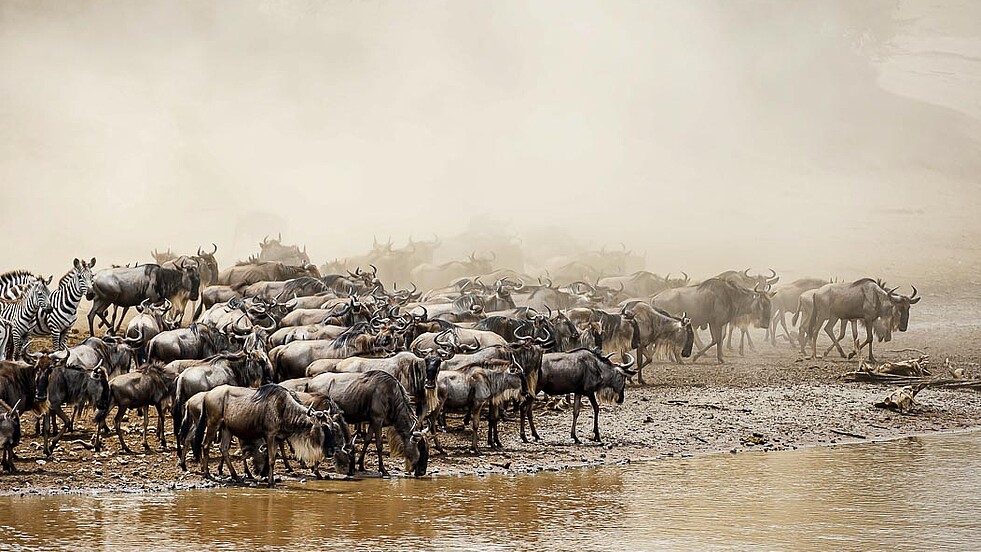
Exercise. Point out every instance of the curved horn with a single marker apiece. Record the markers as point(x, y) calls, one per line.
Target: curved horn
point(625, 365)
point(521, 337)
point(746, 273)
point(773, 274)
point(374, 270)
point(687, 279)
point(914, 291)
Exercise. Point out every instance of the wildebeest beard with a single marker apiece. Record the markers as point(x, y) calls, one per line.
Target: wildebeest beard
point(608, 395)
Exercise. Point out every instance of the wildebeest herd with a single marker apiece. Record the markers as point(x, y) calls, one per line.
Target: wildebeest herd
point(289, 358)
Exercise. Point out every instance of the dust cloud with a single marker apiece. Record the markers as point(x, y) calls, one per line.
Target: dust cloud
point(829, 138)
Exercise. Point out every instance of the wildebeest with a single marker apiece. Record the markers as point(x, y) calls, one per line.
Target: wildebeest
point(642, 283)
point(9, 435)
point(243, 274)
point(866, 300)
point(379, 400)
point(197, 341)
point(70, 385)
point(151, 321)
point(128, 287)
point(428, 275)
point(415, 370)
point(21, 384)
point(743, 322)
point(715, 303)
point(657, 330)
point(785, 299)
point(291, 360)
point(147, 386)
point(584, 373)
point(275, 250)
point(247, 368)
point(115, 354)
point(270, 413)
point(489, 383)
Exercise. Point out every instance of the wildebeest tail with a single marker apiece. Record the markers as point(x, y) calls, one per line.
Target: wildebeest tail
point(199, 430)
point(796, 314)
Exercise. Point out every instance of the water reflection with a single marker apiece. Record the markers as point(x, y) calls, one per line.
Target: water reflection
point(911, 494)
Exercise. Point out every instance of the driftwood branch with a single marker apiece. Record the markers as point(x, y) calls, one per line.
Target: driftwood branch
point(847, 434)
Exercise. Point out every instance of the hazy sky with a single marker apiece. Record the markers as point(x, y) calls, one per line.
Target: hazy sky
point(812, 136)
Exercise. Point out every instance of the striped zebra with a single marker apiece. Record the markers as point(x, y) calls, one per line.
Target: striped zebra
point(21, 315)
point(62, 307)
point(13, 284)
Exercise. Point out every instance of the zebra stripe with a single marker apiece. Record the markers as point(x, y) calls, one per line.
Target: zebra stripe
point(22, 314)
point(14, 283)
point(62, 305)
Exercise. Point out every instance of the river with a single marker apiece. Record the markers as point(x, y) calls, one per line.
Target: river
point(921, 493)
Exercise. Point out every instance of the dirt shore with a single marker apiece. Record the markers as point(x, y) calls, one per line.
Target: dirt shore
point(770, 400)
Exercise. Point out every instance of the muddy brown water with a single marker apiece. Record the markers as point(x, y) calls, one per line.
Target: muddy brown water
point(915, 493)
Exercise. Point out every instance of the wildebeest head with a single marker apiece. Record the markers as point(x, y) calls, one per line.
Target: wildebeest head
point(761, 306)
point(689, 335)
point(567, 336)
point(42, 375)
point(207, 265)
point(160, 257)
point(433, 359)
point(613, 382)
point(901, 305)
point(417, 453)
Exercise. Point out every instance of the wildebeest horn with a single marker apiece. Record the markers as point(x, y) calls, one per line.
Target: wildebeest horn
point(546, 339)
point(425, 313)
point(521, 337)
point(549, 310)
point(531, 313)
point(16, 404)
point(625, 365)
point(441, 334)
point(746, 273)
point(374, 270)
point(687, 279)
point(773, 274)
point(668, 277)
point(142, 306)
point(134, 340)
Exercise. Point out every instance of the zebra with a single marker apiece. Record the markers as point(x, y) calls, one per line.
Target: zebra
point(21, 315)
point(13, 284)
point(62, 307)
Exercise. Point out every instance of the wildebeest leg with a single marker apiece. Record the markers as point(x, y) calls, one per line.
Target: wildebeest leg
point(286, 462)
point(364, 449)
point(146, 423)
point(65, 425)
point(868, 338)
point(717, 335)
point(595, 405)
point(749, 339)
point(576, 404)
point(529, 412)
point(226, 443)
point(376, 428)
point(120, 412)
point(783, 324)
point(160, 426)
point(45, 430)
point(475, 424)
point(729, 338)
point(641, 364)
point(829, 329)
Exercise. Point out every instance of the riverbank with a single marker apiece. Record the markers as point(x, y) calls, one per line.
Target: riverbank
point(768, 400)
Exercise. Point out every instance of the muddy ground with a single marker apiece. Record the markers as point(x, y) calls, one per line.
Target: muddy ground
point(770, 399)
